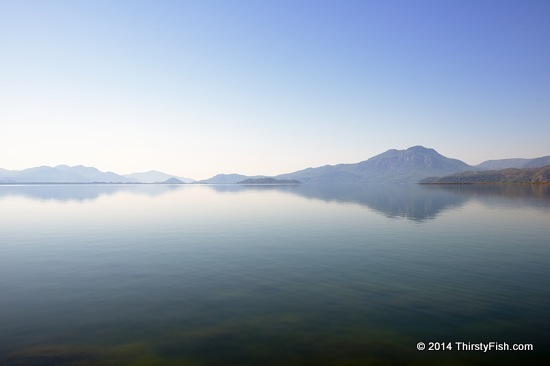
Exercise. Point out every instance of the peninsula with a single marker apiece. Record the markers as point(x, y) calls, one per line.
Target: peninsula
point(511, 175)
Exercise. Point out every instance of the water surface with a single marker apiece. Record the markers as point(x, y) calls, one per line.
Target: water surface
point(267, 275)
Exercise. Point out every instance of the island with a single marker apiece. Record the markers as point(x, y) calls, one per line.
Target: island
point(173, 180)
point(267, 180)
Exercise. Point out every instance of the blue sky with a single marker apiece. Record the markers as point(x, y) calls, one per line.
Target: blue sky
point(196, 88)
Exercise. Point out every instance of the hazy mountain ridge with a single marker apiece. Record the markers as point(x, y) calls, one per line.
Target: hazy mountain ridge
point(538, 162)
point(83, 174)
point(514, 163)
point(502, 164)
point(393, 166)
point(61, 174)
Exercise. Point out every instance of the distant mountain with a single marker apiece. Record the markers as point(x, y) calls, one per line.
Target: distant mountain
point(510, 175)
point(268, 181)
point(514, 163)
point(227, 179)
point(537, 162)
point(154, 176)
point(502, 164)
point(392, 166)
point(61, 174)
point(173, 181)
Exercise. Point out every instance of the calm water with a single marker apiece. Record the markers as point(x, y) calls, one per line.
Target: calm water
point(227, 275)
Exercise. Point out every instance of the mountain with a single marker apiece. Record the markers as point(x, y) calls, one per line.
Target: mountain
point(392, 166)
point(227, 179)
point(173, 180)
point(514, 163)
point(61, 174)
point(510, 175)
point(267, 180)
point(154, 176)
point(502, 164)
point(537, 162)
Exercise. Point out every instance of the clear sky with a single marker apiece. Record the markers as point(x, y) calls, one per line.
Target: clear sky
point(196, 88)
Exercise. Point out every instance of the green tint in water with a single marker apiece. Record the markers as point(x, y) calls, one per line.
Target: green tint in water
point(225, 275)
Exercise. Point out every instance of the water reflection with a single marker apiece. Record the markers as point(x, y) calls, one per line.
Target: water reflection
point(81, 192)
point(413, 202)
point(518, 195)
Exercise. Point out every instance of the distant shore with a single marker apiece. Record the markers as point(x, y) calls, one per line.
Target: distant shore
point(503, 176)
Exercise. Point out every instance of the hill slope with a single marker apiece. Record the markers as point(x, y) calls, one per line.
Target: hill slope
point(510, 175)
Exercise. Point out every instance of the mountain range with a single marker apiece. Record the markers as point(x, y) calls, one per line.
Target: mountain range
point(401, 166)
point(82, 174)
point(393, 166)
point(61, 174)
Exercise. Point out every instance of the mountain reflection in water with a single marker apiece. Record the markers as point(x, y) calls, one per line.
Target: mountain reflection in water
point(411, 201)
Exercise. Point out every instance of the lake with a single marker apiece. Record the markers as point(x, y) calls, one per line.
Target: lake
point(273, 275)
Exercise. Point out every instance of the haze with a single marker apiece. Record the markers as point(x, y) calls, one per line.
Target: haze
point(196, 88)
